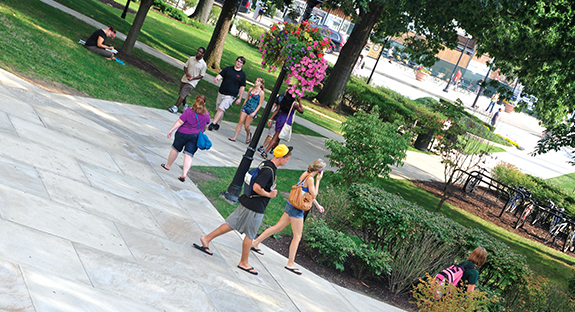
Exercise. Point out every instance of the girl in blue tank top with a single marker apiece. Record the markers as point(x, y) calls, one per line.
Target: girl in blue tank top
point(252, 105)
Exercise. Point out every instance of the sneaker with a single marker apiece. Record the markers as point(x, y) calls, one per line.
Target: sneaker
point(186, 106)
point(261, 149)
point(265, 155)
point(216, 127)
point(173, 109)
point(211, 127)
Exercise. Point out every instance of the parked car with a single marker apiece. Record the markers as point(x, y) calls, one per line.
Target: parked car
point(336, 38)
point(244, 7)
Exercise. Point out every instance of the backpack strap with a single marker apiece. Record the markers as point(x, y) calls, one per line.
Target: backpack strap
point(261, 166)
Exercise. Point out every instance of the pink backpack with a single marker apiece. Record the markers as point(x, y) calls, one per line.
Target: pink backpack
point(452, 275)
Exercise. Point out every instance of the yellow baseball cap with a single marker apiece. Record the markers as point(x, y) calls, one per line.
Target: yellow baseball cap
point(282, 150)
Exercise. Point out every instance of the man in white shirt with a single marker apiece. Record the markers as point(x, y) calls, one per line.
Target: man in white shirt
point(194, 71)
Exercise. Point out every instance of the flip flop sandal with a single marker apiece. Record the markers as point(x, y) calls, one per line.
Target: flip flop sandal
point(164, 166)
point(182, 179)
point(249, 270)
point(203, 249)
point(294, 270)
point(257, 250)
point(231, 139)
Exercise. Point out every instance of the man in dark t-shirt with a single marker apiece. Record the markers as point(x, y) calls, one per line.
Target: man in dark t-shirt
point(233, 83)
point(495, 117)
point(248, 216)
point(97, 42)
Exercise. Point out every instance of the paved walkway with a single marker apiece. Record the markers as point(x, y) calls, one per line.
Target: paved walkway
point(91, 222)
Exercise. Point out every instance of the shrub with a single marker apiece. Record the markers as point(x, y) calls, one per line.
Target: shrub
point(334, 247)
point(420, 241)
point(335, 202)
point(254, 34)
point(370, 261)
point(537, 294)
point(432, 297)
point(214, 15)
point(242, 27)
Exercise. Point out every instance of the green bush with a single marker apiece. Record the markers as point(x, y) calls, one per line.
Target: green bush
point(371, 146)
point(334, 247)
point(541, 189)
point(420, 241)
point(214, 15)
point(242, 27)
point(370, 261)
point(254, 34)
point(170, 11)
point(335, 202)
point(537, 294)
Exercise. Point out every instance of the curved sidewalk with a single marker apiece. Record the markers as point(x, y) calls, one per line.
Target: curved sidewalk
point(91, 222)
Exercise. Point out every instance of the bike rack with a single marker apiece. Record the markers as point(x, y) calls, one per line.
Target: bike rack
point(496, 184)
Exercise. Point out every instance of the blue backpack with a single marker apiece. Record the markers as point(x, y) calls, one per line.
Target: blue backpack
point(250, 178)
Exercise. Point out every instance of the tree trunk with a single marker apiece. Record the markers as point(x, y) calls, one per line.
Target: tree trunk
point(441, 201)
point(136, 26)
point(215, 48)
point(202, 11)
point(332, 93)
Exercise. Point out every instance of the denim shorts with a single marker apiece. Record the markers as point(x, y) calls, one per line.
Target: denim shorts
point(248, 111)
point(188, 141)
point(293, 212)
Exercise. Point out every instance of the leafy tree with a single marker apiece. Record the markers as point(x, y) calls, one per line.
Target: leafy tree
point(202, 11)
point(145, 6)
point(371, 146)
point(215, 48)
point(534, 41)
point(436, 19)
point(458, 151)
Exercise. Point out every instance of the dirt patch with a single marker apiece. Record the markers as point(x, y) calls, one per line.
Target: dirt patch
point(117, 5)
point(143, 65)
point(198, 176)
point(486, 205)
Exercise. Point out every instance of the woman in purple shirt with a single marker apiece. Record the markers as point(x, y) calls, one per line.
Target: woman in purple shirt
point(191, 122)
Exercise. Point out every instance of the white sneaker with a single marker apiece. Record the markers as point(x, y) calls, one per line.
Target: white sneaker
point(173, 109)
point(186, 106)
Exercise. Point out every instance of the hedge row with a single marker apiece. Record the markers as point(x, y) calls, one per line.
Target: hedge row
point(399, 241)
point(252, 31)
point(541, 189)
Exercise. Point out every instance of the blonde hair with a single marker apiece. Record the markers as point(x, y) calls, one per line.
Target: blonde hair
point(200, 104)
point(263, 82)
point(317, 165)
point(478, 256)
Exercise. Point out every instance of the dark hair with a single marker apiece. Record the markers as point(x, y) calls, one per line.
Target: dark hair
point(287, 102)
point(112, 29)
point(203, 49)
point(241, 58)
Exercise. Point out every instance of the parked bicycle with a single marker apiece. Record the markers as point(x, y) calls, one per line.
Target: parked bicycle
point(474, 180)
point(558, 223)
point(527, 208)
point(514, 201)
point(543, 212)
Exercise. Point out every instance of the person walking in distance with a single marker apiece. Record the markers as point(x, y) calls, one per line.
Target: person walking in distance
point(249, 112)
point(248, 215)
point(189, 125)
point(495, 118)
point(233, 83)
point(285, 105)
point(494, 100)
point(295, 216)
point(194, 71)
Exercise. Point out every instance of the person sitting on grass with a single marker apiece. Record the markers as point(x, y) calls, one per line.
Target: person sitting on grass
point(97, 42)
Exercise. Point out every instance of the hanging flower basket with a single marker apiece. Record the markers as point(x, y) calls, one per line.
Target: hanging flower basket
point(297, 50)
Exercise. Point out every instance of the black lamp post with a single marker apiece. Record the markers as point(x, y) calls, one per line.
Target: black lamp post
point(125, 10)
point(309, 8)
point(456, 65)
point(481, 88)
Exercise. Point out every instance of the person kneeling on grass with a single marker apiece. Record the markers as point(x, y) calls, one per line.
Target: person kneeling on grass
point(248, 216)
point(97, 42)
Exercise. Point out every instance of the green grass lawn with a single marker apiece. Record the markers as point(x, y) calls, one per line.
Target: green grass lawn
point(566, 181)
point(543, 260)
point(60, 61)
